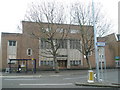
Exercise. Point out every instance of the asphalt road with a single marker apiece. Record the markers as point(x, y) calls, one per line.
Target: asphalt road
point(60, 80)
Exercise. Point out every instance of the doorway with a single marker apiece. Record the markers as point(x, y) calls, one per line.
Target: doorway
point(62, 64)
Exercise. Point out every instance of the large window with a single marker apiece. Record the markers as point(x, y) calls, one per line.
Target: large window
point(12, 50)
point(63, 43)
point(45, 44)
point(46, 63)
point(75, 44)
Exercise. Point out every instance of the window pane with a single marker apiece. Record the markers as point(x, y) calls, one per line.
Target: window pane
point(79, 61)
point(41, 62)
point(47, 63)
point(29, 52)
point(76, 62)
point(71, 63)
point(14, 43)
point(44, 62)
point(51, 63)
point(10, 43)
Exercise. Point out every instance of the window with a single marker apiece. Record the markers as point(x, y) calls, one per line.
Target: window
point(12, 50)
point(41, 62)
point(79, 62)
point(60, 30)
point(63, 43)
point(75, 62)
point(12, 43)
point(42, 43)
point(71, 63)
point(75, 44)
point(74, 31)
point(46, 63)
point(29, 51)
point(117, 63)
point(51, 63)
point(45, 44)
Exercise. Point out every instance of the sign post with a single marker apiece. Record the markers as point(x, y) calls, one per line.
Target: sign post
point(101, 53)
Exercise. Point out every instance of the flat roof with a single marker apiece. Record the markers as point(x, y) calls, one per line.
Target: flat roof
point(10, 33)
point(20, 59)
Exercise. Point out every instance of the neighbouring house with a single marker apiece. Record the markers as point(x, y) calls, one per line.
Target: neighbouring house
point(117, 57)
point(111, 49)
point(0, 58)
point(25, 46)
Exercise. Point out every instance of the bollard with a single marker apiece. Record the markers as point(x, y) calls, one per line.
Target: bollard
point(90, 76)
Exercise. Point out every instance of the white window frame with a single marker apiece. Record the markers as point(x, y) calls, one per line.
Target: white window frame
point(13, 48)
point(30, 52)
point(12, 43)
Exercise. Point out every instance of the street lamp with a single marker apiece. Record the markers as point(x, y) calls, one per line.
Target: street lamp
point(95, 44)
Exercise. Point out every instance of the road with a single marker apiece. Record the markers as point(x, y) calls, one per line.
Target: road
point(52, 80)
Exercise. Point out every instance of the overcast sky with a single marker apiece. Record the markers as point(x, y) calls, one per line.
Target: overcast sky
point(12, 12)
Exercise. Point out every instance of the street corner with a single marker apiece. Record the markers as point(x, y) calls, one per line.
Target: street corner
point(98, 84)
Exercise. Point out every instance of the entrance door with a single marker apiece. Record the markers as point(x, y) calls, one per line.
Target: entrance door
point(62, 64)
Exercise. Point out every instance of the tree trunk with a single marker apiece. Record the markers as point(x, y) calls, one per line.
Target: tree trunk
point(88, 62)
point(56, 65)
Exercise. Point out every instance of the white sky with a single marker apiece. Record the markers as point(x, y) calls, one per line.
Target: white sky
point(12, 12)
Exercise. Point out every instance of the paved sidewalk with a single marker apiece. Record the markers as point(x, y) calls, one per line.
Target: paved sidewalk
point(100, 84)
point(38, 73)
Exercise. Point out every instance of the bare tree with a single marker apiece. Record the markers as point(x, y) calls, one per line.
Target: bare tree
point(81, 15)
point(52, 32)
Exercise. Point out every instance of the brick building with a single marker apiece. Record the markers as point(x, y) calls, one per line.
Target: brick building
point(24, 46)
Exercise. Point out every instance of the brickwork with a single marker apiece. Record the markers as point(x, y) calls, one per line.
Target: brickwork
point(26, 41)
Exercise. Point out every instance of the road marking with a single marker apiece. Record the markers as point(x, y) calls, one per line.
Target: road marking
point(20, 79)
point(20, 76)
point(75, 78)
point(46, 84)
point(56, 75)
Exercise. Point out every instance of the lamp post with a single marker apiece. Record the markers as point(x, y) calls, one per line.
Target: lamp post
point(95, 44)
